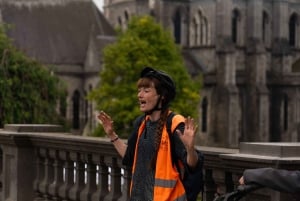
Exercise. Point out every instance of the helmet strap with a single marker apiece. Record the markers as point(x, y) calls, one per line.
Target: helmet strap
point(156, 107)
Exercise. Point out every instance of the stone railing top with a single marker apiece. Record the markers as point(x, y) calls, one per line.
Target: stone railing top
point(275, 149)
point(40, 128)
point(16, 135)
point(216, 150)
point(283, 152)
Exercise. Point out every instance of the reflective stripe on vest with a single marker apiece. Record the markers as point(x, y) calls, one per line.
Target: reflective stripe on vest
point(165, 183)
point(181, 198)
point(168, 185)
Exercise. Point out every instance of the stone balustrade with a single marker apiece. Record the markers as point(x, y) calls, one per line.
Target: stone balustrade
point(41, 163)
point(56, 166)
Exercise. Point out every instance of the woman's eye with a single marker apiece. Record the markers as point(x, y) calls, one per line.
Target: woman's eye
point(146, 90)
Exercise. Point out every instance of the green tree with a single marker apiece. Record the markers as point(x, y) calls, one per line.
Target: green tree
point(28, 90)
point(144, 43)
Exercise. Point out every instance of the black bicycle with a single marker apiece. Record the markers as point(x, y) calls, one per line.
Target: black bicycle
point(239, 193)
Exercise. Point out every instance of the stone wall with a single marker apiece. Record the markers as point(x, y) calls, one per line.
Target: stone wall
point(39, 162)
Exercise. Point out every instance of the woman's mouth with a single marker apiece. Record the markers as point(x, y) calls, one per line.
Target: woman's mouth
point(142, 103)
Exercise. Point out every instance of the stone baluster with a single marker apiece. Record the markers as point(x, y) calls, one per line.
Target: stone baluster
point(126, 185)
point(219, 178)
point(78, 186)
point(235, 178)
point(49, 174)
point(68, 175)
point(58, 175)
point(91, 186)
point(102, 189)
point(1, 171)
point(209, 186)
point(115, 185)
point(229, 184)
point(40, 174)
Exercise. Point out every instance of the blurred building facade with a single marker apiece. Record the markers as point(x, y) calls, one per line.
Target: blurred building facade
point(249, 54)
point(68, 37)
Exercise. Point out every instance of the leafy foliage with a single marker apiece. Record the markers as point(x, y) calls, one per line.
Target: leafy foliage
point(144, 43)
point(28, 90)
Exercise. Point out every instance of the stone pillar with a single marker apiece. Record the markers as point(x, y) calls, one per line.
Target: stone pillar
point(18, 170)
point(226, 102)
point(281, 59)
point(256, 108)
point(223, 20)
point(254, 18)
point(225, 96)
point(281, 62)
point(19, 167)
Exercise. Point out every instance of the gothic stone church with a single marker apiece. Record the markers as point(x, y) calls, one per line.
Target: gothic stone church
point(247, 50)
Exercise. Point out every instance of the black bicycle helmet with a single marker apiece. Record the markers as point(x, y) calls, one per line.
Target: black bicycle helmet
point(166, 81)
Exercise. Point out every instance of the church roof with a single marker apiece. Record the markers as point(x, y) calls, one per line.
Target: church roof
point(56, 33)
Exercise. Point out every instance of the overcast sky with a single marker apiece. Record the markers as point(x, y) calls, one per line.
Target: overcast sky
point(99, 3)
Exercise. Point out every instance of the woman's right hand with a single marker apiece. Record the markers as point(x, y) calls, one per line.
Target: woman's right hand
point(107, 123)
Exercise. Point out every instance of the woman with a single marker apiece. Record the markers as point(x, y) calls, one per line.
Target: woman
point(154, 177)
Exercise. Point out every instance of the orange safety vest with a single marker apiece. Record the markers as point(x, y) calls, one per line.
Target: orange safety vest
point(167, 185)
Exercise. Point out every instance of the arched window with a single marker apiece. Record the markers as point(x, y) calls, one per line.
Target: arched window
point(204, 106)
point(265, 26)
point(199, 29)
point(285, 112)
point(152, 12)
point(177, 27)
point(76, 109)
point(203, 32)
point(63, 105)
point(126, 20)
point(235, 25)
point(86, 108)
point(120, 21)
point(293, 30)
point(126, 16)
point(91, 109)
point(194, 32)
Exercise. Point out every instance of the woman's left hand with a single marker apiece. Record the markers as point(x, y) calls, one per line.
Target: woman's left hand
point(188, 136)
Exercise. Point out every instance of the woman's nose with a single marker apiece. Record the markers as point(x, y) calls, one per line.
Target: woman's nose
point(140, 94)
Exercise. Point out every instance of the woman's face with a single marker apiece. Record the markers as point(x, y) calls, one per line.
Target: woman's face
point(147, 97)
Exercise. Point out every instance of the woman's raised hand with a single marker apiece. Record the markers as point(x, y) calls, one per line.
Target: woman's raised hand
point(188, 136)
point(107, 123)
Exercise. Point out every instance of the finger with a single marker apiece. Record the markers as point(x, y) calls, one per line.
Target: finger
point(195, 128)
point(179, 132)
point(98, 118)
point(107, 117)
point(104, 116)
point(189, 122)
